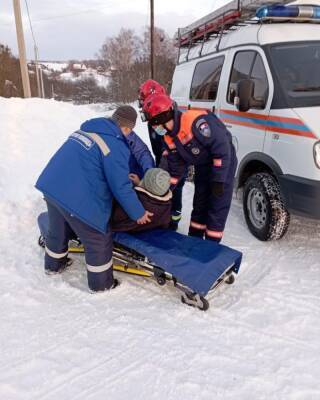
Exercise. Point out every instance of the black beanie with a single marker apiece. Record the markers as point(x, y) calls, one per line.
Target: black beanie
point(125, 116)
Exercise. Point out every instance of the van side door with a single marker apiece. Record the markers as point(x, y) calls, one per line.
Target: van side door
point(247, 128)
point(205, 83)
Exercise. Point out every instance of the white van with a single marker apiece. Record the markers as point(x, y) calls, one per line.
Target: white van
point(263, 80)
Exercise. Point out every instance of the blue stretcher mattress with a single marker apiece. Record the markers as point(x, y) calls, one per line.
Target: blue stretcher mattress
point(194, 262)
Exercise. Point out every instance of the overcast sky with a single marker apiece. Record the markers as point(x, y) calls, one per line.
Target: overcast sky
point(66, 29)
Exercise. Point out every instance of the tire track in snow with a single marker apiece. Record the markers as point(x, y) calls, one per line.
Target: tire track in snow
point(83, 376)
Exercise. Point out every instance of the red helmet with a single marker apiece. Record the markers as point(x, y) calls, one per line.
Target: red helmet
point(158, 109)
point(149, 87)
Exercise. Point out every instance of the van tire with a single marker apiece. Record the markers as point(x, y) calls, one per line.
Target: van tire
point(265, 213)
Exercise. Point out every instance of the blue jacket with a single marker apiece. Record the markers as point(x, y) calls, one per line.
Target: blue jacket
point(141, 159)
point(83, 180)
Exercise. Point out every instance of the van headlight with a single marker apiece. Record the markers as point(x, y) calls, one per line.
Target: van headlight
point(316, 154)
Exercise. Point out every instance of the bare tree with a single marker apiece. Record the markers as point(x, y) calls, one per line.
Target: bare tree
point(129, 57)
point(163, 44)
point(10, 76)
point(120, 53)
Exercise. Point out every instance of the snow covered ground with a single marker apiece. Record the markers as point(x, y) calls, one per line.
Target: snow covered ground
point(101, 80)
point(55, 66)
point(259, 340)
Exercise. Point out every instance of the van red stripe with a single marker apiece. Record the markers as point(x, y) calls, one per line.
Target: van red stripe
point(291, 132)
point(264, 117)
point(270, 128)
point(286, 131)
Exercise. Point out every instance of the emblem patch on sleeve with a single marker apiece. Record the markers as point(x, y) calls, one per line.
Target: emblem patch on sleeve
point(204, 128)
point(217, 162)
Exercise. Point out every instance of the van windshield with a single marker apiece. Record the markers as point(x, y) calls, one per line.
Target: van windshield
point(297, 66)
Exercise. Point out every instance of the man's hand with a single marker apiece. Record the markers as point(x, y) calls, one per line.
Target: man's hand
point(145, 219)
point(135, 179)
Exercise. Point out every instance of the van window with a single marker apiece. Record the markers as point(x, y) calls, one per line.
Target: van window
point(206, 77)
point(295, 69)
point(249, 65)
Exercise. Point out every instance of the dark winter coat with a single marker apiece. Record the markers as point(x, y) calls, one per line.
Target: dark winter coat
point(159, 206)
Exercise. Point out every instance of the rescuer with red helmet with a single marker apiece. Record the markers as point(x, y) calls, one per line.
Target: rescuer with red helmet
point(148, 88)
point(198, 138)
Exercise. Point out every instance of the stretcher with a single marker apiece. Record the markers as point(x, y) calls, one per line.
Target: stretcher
point(194, 266)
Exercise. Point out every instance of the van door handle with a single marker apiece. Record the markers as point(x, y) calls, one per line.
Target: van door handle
point(228, 126)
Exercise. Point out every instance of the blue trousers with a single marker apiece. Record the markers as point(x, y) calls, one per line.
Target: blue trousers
point(210, 212)
point(98, 247)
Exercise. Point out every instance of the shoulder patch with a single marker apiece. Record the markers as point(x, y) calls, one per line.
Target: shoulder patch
point(204, 128)
point(82, 139)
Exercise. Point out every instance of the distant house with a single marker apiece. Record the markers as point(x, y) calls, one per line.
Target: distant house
point(78, 67)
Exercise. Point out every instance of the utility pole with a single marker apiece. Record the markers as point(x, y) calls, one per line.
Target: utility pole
point(152, 39)
point(41, 82)
point(37, 70)
point(22, 49)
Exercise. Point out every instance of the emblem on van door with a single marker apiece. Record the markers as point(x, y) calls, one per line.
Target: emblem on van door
point(195, 151)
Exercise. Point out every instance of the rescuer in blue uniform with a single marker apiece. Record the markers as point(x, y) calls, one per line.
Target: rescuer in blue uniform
point(79, 184)
point(200, 139)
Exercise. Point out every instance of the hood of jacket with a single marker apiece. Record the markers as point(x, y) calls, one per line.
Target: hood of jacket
point(103, 126)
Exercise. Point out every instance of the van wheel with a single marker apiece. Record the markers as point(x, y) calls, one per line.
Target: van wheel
point(264, 209)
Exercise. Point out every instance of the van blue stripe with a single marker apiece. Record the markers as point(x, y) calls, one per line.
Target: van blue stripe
point(276, 124)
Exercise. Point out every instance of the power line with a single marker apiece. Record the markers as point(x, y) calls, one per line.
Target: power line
point(36, 57)
point(34, 40)
point(58, 16)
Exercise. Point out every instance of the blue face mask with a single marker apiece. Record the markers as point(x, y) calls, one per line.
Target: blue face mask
point(160, 130)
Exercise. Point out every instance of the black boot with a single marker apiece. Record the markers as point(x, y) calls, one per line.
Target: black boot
point(115, 284)
point(57, 269)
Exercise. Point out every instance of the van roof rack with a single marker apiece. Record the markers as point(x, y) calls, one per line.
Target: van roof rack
point(235, 13)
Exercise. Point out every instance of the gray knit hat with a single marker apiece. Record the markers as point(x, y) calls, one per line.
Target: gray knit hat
point(156, 181)
point(125, 116)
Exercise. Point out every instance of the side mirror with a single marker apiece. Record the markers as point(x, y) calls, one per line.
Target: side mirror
point(244, 99)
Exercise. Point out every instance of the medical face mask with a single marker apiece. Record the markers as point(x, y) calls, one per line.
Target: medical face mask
point(160, 130)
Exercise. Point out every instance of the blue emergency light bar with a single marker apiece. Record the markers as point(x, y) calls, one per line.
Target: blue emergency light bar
point(289, 12)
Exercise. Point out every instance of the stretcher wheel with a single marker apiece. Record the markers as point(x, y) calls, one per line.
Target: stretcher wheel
point(195, 301)
point(230, 279)
point(205, 304)
point(41, 241)
point(161, 281)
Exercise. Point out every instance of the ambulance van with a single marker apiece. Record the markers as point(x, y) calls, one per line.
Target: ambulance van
point(262, 79)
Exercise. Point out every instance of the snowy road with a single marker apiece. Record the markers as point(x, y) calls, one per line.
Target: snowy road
point(259, 340)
